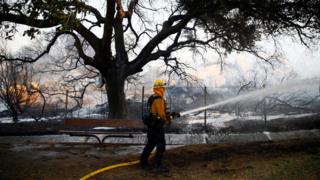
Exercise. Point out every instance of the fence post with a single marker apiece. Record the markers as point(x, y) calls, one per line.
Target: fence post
point(66, 105)
point(205, 104)
point(170, 103)
point(142, 101)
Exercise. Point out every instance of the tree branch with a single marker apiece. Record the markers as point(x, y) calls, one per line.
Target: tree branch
point(108, 28)
point(168, 29)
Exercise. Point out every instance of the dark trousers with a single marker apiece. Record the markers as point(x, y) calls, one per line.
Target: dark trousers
point(155, 139)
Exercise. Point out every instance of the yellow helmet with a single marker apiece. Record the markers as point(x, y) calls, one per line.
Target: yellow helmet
point(159, 83)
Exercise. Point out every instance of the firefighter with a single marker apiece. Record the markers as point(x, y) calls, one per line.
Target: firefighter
point(158, 118)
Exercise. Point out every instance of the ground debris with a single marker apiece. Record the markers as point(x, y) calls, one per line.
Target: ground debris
point(294, 159)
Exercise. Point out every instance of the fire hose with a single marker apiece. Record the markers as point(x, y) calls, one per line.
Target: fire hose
point(130, 163)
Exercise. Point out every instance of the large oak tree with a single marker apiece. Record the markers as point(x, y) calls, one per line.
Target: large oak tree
point(130, 39)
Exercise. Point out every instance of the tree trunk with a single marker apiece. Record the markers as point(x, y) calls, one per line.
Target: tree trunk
point(116, 97)
point(12, 111)
point(15, 118)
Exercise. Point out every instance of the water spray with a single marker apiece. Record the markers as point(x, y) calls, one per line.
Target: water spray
point(261, 93)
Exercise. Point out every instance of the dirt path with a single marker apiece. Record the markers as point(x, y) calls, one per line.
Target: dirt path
point(296, 159)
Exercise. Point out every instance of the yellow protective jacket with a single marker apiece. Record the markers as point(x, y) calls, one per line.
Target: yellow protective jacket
point(158, 107)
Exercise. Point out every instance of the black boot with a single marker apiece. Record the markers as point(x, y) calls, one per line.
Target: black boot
point(160, 169)
point(144, 163)
point(145, 166)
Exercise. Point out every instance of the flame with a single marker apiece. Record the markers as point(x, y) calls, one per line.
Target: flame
point(25, 95)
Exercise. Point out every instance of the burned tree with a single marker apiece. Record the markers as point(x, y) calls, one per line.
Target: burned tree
point(17, 91)
point(129, 40)
point(68, 76)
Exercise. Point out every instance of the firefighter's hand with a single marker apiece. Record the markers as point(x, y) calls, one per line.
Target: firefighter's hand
point(175, 114)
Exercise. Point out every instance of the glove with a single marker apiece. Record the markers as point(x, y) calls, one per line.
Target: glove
point(175, 114)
